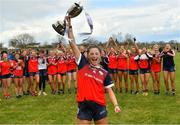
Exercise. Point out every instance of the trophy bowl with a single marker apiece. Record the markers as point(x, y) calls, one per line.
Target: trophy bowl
point(74, 10)
point(59, 27)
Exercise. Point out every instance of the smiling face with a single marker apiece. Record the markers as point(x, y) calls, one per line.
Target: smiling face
point(17, 56)
point(167, 48)
point(94, 56)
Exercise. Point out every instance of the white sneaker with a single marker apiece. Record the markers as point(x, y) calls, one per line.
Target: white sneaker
point(39, 93)
point(44, 93)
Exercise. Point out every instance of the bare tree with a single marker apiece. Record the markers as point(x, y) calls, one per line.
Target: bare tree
point(22, 40)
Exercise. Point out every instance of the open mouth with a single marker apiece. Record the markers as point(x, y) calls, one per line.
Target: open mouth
point(94, 60)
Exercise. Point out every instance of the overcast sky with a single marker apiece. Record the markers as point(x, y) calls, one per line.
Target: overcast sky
point(146, 19)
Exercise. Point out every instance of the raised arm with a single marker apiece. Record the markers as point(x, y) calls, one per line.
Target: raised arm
point(72, 42)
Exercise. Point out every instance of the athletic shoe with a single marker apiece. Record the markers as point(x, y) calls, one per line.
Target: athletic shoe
point(44, 93)
point(59, 92)
point(146, 93)
point(36, 93)
point(33, 93)
point(136, 92)
point(131, 92)
point(173, 93)
point(20, 96)
point(167, 93)
point(39, 93)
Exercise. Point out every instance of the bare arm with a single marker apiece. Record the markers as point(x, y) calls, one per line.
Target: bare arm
point(113, 100)
point(72, 42)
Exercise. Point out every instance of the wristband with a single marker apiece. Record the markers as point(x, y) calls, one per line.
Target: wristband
point(70, 27)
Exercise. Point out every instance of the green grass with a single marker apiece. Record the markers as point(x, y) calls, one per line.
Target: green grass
point(61, 109)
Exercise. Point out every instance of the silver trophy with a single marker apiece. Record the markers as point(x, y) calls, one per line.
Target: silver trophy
point(73, 11)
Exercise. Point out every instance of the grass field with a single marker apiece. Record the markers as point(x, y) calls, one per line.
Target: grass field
point(61, 109)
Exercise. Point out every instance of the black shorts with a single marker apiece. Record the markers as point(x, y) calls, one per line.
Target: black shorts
point(133, 72)
point(169, 69)
point(112, 71)
point(144, 71)
point(89, 110)
point(33, 73)
point(122, 70)
point(18, 76)
point(62, 74)
point(26, 74)
point(71, 71)
point(6, 76)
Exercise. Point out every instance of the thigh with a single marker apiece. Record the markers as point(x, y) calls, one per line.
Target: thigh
point(59, 77)
point(74, 75)
point(69, 76)
point(120, 75)
point(147, 76)
point(142, 77)
point(50, 78)
point(165, 75)
point(102, 121)
point(9, 81)
point(153, 74)
point(83, 122)
point(64, 78)
point(125, 74)
point(37, 77)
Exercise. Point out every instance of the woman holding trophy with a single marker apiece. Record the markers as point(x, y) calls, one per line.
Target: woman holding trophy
point(92, 79)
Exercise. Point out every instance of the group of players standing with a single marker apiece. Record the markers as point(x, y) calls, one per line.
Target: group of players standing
point(122, 62)
point(34, 68)
point(27, 66)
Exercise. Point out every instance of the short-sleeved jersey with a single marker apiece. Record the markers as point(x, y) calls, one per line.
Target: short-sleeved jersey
point(168, 61)
point(52, 65)
point(71, 63)
point(122, 62)
point(133, 64)
point(18, 68)
point(5, 67)
point(144, 61)
point(62, 65)
point(156, 65)
point(33, 64)
point(91, 82)
point(112, 58)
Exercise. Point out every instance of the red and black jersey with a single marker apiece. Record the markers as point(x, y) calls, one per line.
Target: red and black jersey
point(71, 63)
point(144, 61)
point(156, 63)
point(133, 64)
point(5, 67)
point(122, 62)
point(62, 65)
point(52, 65)
point(18, 66)
point(91, 82)
point(112, 58)
point(33, 64)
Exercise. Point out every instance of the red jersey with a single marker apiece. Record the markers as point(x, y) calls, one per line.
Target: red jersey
point(133, 64)
point(18, 68)
point(52, 65)
point(91, 82)
point(156, 64)
point(122, 62)
point(144, 61)
point(71, 65)
point(5, 67)
point(62, 66)
point(112, 61)
point(33, 64)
